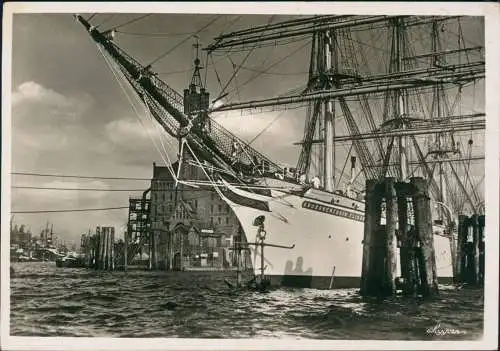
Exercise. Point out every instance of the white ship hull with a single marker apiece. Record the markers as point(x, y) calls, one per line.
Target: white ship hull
point(327, 238)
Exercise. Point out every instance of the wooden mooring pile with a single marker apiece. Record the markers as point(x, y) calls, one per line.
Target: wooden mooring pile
point(470, 249)
point(417, 258)
point(99, 249)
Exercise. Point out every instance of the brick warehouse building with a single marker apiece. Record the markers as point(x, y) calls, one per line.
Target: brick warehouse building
point(190, 228)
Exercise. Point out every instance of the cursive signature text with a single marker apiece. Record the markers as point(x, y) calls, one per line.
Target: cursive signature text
point(438, 330)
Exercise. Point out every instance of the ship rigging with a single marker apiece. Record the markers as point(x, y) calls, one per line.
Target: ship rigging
point(392, 92)
point(339, 84)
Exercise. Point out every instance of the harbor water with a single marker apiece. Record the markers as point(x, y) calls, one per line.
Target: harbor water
point(51, 301)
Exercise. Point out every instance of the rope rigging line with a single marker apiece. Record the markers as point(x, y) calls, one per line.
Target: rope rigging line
point(160, 132)
point(273, 73)
point(91, 16)
point(266, 127)
point(153, 35)
point(345, 164)
point(185, 40)
point(237, 92)
point(235, 81)
point(70, 189)
point(33, 174)
point(132, 21)
point(106, 20)
point(241, 64)
point(134, 108)
point(271, 66)
point(216, 74)
point(71, 210)
point(363, 101)
point(206, 71)
point(258, 45)
point(190, 68)
point(229, 25)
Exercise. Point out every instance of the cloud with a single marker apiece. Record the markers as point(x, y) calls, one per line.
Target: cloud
point(34, 92)
point(43, 119)
point(249, 125)
point(69, 194)
point(34, 104)
point(275, 132)
point(134, 143)
point(122, 131)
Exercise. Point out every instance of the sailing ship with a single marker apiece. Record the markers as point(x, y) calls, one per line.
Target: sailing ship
point(390, 94)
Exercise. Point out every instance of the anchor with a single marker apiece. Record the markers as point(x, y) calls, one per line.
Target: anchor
point(264, 283)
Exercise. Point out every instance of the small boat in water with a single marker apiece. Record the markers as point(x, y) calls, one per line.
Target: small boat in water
point(70, 261)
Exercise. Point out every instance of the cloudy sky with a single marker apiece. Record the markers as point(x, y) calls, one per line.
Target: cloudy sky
point(69, 115)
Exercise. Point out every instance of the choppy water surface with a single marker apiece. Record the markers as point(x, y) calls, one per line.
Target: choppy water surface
point(51, 301)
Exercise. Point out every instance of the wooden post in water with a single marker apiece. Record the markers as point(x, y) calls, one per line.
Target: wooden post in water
point(96, 250)
point(423, 225)
point(181, 251)
point(406, 236)
point(88, 253)
point(112, 248)
point(372, 223)
point(103, 251)
point(110, 244)
point(452, 232)
point(92, 251)
point(106, 247)
point(461, 244)
point(369, 228)
point(481, 223)
point(101, 248)
point(389, 279)
point(157, 249)
point(151, 250)
point(475, 272)
point(171, 250)
point(125, 249)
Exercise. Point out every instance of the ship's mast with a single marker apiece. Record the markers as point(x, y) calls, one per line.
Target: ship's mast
point(399, 103)
point(331, 66)
point(440, 143)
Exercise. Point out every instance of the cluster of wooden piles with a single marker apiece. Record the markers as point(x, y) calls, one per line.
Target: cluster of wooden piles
point(99, 249)
point(417, 258)
point(470, 250)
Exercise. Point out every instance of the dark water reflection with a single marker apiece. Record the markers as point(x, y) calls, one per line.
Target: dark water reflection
point(50, 301)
